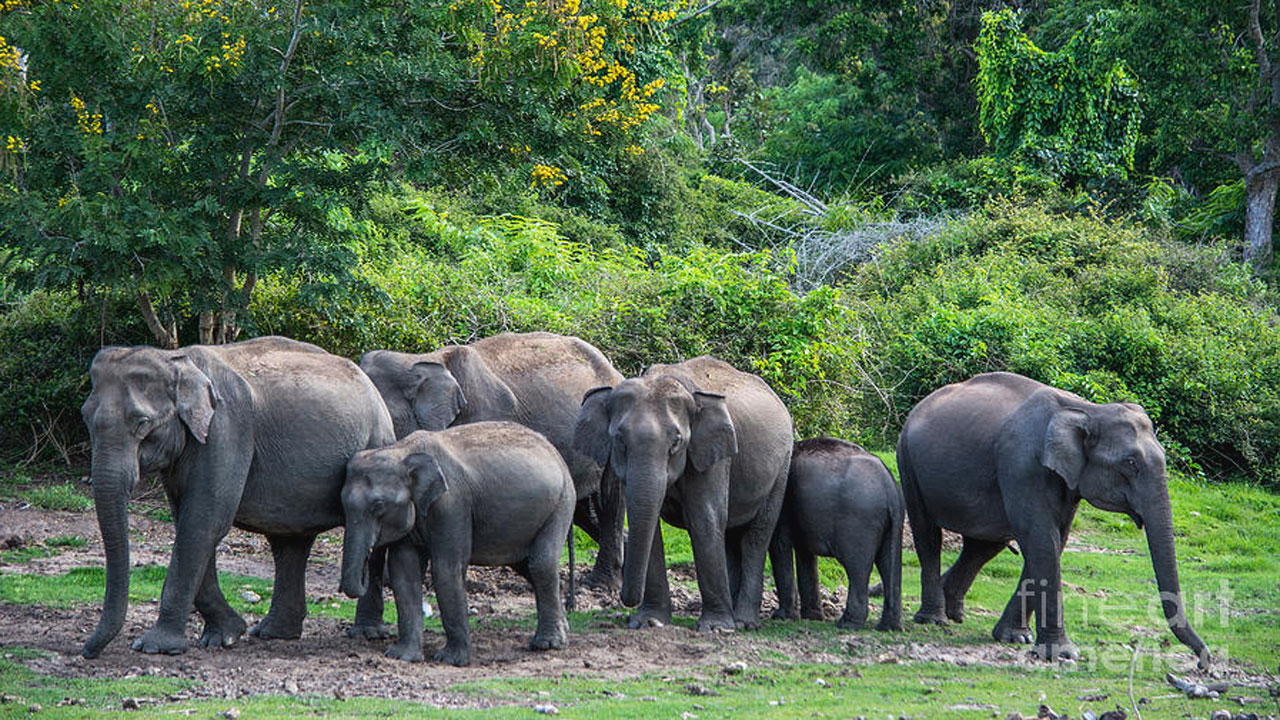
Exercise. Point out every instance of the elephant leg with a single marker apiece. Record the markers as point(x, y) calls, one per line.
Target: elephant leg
point(781, 551)
point(288, 599)
point(1014, 623)
point(733, 559)
point(706, 526)
point(857, 570)
point(404, 569)
point(223, 626)
point(203, 518)
point(369, 607)
point(655, 606)
point(1051, 635)
point(807, 581)
point(957, 580)
point(610, 510)
point(449, 576)
point(754, 544)
point(889, 564)
point(544, 575)
point(928, 541)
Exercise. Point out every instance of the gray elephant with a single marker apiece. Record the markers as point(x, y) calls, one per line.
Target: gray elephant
point(254, 434)
point(841, 502)
point(489, 493)
point(535, 379)
point(1002, 457)
point(707, 446)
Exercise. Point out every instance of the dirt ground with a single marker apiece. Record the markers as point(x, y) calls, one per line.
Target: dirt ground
point(325, 661)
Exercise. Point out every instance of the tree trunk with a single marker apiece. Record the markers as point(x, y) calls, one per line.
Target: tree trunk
point(1260, 209)
point(166, 337)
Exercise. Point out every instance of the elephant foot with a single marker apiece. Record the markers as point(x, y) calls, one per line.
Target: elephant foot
point(708, 623)
point(925, 617)
point(160, 642)
point(370, 631)
point(270, 628)
point(549, 641)
point(603, 579)
point(890, 625)
point(408, 652)
point(849, 622)
point(1009, 634)
point(1063, 649)
point(811, 614)
point(457, 655)
point(955, 611)
point(784, 613)
point(222, 633)
point(643, 618)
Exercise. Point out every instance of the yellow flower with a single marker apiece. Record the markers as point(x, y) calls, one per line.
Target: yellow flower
point(547, 175)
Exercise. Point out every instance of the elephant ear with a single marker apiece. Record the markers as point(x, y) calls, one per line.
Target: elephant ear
point(711, 435)
point(1065, 440)
point(428, 480)
point(591, 432)
point(437, 397)
point(487, 396)
point(194, 396)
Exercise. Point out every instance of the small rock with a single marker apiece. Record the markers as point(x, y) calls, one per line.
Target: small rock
point(338, 694)
point(586, 663)
point(1015, 715)
point(6, 698)
point(699, 690)
point(888, 659)
point(129, 703)
point(735, 668)
point(1117, 714)
point(820, 682)
point(1046, 712)
point(1220, 715)
point(251, 597)
point(14, 542)
point(230, 714)
point(291, 686)
point(687, 716)
point(546, 709)
point(1089, 715)
point(34, 708)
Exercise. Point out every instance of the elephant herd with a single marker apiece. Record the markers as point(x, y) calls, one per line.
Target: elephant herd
point(487, 453)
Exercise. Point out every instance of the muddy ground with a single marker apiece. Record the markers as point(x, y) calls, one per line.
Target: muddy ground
point(325, 661)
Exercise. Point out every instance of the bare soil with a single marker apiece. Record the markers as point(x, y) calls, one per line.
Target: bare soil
point(325, 661)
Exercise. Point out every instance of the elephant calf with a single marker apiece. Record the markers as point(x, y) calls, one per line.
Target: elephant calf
point(488, 493)
point(841, 502)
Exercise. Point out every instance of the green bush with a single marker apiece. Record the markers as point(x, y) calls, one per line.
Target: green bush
point(1103, 310)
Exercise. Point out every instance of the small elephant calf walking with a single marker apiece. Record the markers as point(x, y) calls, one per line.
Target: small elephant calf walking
point(841, 502)
point(488, 493)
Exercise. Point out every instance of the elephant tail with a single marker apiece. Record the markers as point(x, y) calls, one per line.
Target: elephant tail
point(889, 561)
point(571, 599)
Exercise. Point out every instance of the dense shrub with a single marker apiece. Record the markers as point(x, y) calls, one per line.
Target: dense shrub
point(1104, 310)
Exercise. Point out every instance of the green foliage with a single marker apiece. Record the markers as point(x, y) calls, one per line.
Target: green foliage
point(1103, 310)
point(1074, 112)
point(58, 497)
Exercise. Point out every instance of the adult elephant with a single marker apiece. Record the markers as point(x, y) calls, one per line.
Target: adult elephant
point(1001, 457)
point(707, 447)
point(534, 379)
point(255, 434)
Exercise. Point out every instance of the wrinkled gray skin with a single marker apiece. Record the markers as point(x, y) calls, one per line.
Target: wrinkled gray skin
point(1002, 457)
point(841, 502)
point(489, 493)
point(707, 447)
point(255, 434)
point(535, 379)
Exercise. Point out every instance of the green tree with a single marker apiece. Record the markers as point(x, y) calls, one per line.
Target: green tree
point(1074, 111)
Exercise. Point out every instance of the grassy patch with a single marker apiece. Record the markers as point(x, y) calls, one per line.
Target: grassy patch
point(63, 496)
point(79, 697)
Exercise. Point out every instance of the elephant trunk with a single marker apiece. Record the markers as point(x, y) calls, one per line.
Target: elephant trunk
point(1158, 519)
point(357, 542)
point(645, 493)
point(112, 484)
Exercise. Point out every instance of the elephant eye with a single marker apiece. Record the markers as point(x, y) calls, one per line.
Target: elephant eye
point(378, 507)
point(141, 426)
point(675, 443)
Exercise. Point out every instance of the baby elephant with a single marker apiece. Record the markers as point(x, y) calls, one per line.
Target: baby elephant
point(841, 502)
point(488, 493)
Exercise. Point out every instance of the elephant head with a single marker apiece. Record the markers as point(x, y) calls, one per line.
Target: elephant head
point(650, 429)
point(433, 391)
point(145, 405)
point(385, 492)
point(1109, 455)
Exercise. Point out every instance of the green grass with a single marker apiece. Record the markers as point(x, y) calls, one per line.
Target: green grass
point(63, 496)
point(1228, 544)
